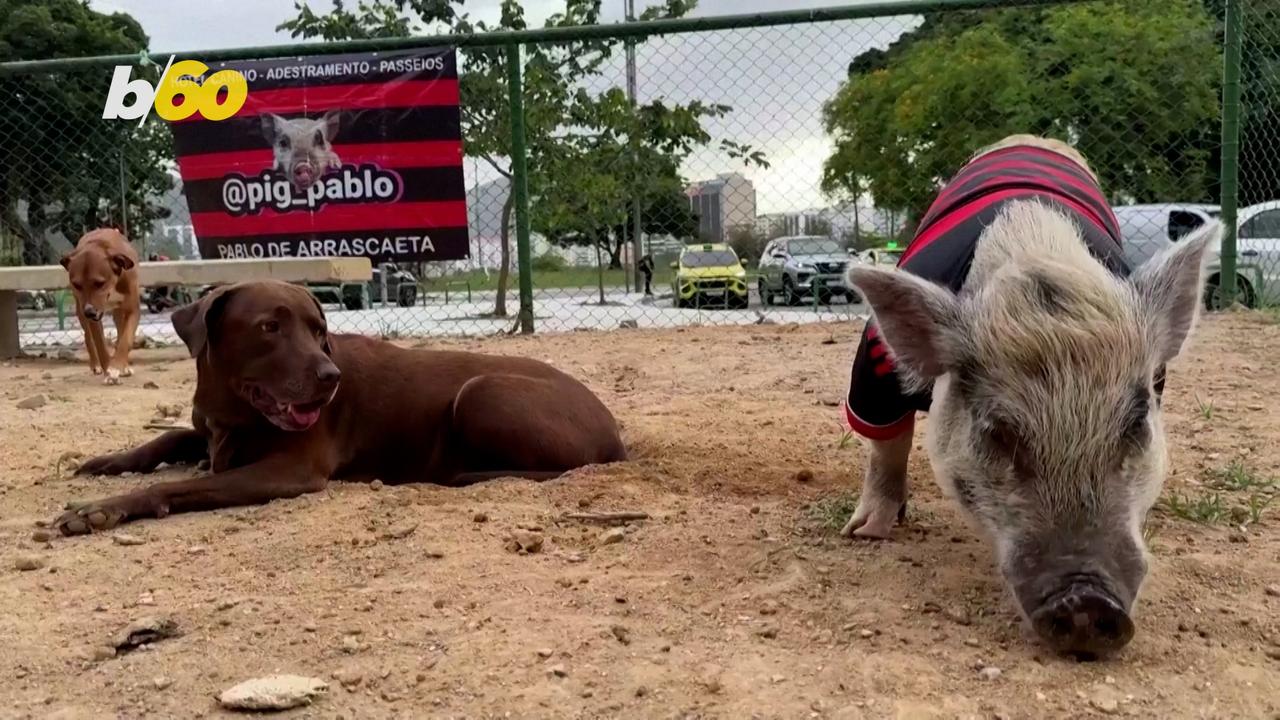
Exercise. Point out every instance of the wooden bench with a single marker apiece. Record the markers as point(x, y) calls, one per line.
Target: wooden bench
point(178, 272)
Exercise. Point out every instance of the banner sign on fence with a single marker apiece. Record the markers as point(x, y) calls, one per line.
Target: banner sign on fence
point(338, 155)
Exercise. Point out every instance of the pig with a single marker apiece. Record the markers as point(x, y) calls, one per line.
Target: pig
point(1039, 358)
point(303, 147)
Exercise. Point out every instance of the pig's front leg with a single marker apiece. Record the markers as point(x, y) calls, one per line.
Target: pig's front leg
point(884, 490)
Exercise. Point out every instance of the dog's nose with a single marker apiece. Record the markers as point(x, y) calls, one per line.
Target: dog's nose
point(1083, 621)
point(92, 312)
point(328, 374)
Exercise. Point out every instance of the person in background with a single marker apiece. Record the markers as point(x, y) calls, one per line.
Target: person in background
point(646, 267)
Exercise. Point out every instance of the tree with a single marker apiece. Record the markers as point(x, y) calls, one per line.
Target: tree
point(1131, 84)
point(568, 128)
point(62, 168)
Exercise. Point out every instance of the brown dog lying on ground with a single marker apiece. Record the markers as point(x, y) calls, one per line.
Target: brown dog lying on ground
point(103, 270)
point(281, 407)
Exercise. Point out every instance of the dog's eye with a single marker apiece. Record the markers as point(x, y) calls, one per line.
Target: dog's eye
point(77, 286)
point(99, 283)
point(270, 327)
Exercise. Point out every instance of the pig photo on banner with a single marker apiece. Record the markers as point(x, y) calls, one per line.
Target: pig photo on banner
point(339, 155)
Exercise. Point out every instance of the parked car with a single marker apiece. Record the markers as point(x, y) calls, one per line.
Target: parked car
point(35, 299)
point(402, 289)
point(709, 274)
point(880, 256)
point(1147, 229)
point(803, 266)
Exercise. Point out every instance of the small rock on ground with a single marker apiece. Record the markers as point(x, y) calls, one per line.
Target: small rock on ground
point(27, 563)
point(33, 402)
point(275, 692)
point(990, 673)
point(1272, 590)
point(126, 539)
point(612, 535)
point(524, 542)
point(144, 631)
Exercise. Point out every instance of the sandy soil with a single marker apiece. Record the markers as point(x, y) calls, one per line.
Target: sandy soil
point(737, 599)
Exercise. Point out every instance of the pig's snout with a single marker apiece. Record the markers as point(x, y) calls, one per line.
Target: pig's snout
point(1084, 621)
point(92, 313)
point(303, 174)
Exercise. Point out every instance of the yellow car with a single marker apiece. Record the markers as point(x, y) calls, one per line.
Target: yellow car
point(709, 275)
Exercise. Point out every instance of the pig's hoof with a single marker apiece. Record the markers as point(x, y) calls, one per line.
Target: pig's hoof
point(874, 520)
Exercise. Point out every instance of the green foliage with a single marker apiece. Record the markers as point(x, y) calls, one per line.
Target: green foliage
point(61, 164)
point(748, 244)
point(548, 262)
point(1131, 84)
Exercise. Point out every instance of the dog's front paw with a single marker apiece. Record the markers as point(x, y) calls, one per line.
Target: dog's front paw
point(126, 371)
point(116, 464)
point(96, 370)
point(86, 517)
point(113, 377)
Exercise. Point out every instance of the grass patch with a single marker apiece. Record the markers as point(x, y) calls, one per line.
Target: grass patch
point(834, 511)
point(1237, 477)
point(1224, 504)
point(1205, 408)
point(551, 279)
point(1208, 509)
point(846, 439)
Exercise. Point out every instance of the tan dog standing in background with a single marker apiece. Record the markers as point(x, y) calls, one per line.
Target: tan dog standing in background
point(103, 270)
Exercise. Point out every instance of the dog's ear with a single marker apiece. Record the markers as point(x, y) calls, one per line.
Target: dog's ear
point(192, 322)
point(121, 262)
point(66, 259)
point(328, 350)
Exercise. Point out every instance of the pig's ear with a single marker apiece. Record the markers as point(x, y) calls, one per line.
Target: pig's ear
point(918, 319)
point(270, 123)
point(331, 120)
point(1171, 285)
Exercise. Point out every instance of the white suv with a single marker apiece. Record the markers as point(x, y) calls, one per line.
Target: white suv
point(1147, 229)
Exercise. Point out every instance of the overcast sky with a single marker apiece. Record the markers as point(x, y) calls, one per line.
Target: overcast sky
point(776, 79)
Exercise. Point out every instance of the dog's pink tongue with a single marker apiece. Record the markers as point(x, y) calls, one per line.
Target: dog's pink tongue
point(303, 419)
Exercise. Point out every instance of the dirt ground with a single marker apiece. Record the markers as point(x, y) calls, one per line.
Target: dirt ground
point(736, 599)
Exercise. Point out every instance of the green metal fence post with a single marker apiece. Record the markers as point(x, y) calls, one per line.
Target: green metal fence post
point(1231, 55)
point(520, 186)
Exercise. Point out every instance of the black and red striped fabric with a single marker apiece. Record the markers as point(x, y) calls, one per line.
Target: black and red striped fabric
point(943, 249)
point(399, 194)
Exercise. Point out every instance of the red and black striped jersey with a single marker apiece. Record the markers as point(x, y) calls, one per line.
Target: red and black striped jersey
point(943, 249)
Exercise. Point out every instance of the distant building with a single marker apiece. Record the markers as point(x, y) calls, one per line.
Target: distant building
point(837, 222)
point(722, 205)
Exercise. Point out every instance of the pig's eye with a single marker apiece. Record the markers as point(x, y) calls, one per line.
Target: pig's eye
point(319, 138)
point(1135, 418)
point(1004, 437)
point(283, 142)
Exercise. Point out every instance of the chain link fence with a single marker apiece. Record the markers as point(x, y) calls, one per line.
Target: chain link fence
point(723, 176)
point(1258, 199)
